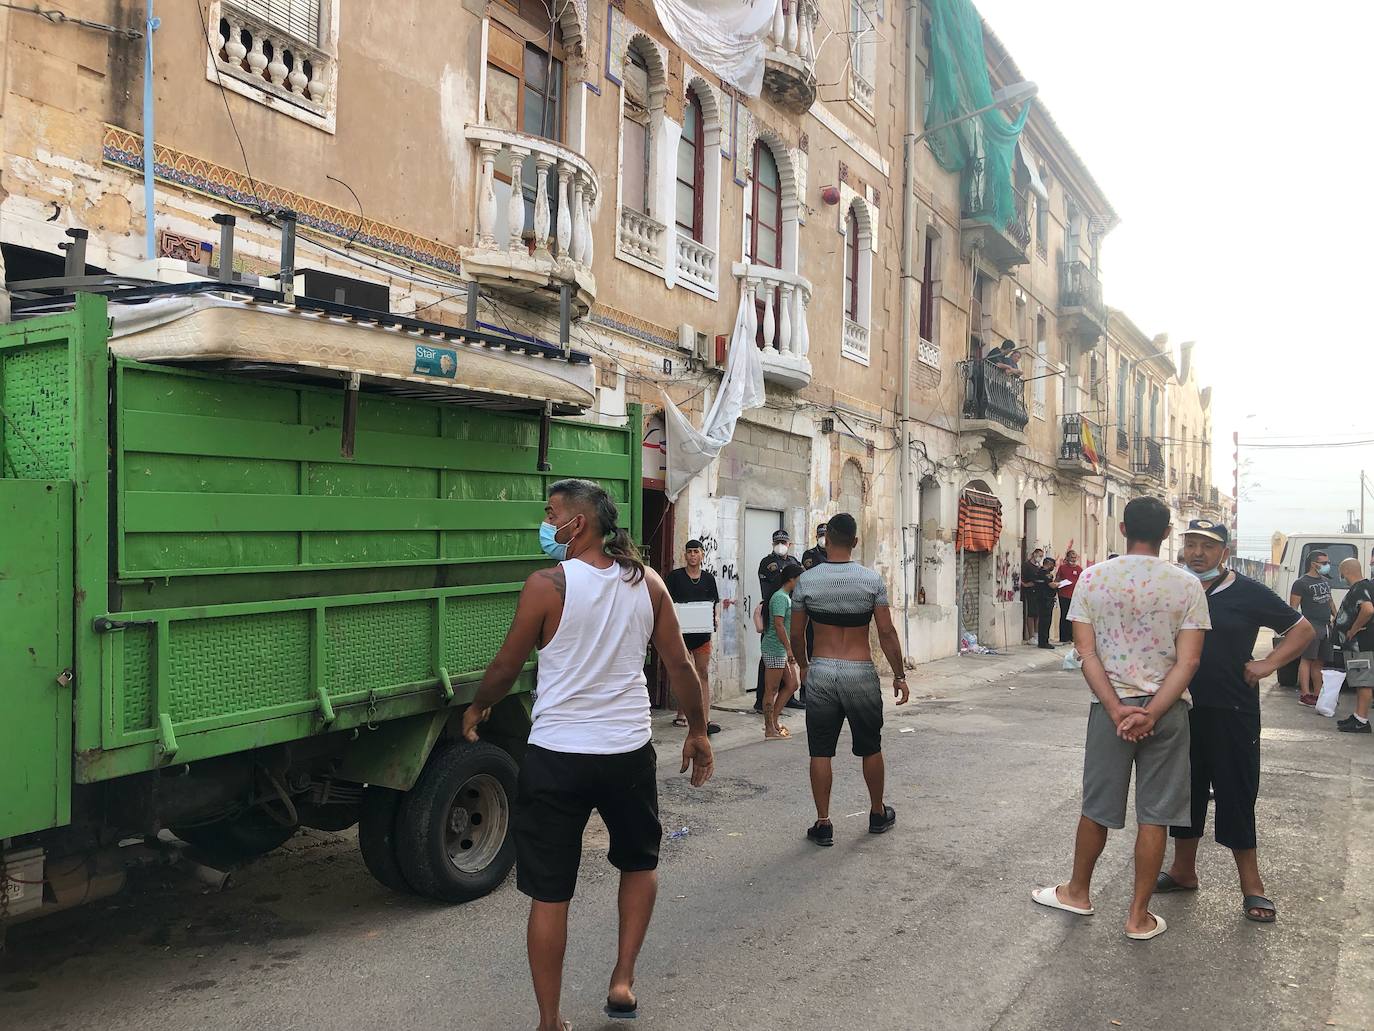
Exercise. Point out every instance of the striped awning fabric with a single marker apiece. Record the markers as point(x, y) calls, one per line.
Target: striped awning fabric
point(980, 521)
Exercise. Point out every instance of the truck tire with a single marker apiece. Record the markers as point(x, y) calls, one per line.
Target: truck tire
point(453, 833)
point(377, 836)
point(244, 836)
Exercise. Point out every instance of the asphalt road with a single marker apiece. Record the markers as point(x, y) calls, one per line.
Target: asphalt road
point(930, 926)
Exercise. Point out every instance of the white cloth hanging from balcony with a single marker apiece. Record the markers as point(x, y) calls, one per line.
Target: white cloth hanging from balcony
point(690, 450)
point(727, 36)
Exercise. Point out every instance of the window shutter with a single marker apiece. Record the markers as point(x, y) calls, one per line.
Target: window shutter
point(301, 18)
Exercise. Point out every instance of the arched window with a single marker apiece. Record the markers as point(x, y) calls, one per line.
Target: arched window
point(851, 266)
point(690, 171)
point(765, 216)
point(636, 132)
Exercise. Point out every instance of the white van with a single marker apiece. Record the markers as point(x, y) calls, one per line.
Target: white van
point(1293, 563)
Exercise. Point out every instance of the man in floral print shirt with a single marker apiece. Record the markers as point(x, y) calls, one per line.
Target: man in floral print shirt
point(1138, 626)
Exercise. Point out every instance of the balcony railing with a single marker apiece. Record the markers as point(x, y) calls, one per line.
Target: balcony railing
point(777, 319)
point(1123, 441)
point(1080, 443)
point(251, 49)
point(1007, 245)
point(993, 393)
point(789, 67)
point(1080, 288)
point(532, 240)
point(696, 263)
point(641, 236)
point(855, 342)
point(1148, 459)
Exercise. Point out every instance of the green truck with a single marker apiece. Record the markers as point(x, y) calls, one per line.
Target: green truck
point(235, 602)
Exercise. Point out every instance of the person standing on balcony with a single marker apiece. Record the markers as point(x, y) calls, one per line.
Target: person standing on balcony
point(1030, 595)
point(1004, 358)
point(1311, 595)
point(1065, 578)
point(591, 617)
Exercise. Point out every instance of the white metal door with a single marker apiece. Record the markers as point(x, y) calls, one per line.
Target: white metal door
point(759, 524)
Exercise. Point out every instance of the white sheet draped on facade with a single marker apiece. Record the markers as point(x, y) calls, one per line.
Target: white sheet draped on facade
point(727, 36)
point(691, 450)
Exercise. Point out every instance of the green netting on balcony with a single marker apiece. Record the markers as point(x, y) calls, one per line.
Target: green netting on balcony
point(982, 147)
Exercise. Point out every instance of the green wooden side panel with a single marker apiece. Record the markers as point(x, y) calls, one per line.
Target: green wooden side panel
point(35, 392)
point(35, 648)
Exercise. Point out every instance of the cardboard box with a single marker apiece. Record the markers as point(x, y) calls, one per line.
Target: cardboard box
point(696, 617)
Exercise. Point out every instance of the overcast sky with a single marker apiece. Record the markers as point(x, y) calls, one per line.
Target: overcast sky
point(1230, 138)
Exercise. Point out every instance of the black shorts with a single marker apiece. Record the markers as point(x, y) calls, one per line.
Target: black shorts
point(558, 791)
point(1225, 754)
point(837, 689)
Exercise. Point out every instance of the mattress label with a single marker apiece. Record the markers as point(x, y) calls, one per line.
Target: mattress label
point(436, 361)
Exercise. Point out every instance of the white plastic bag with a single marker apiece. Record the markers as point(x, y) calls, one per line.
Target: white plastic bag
point(1332, 679)
point(1072, 661)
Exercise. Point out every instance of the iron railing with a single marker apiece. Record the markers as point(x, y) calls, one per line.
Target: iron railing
point(977, 203)
point(1123, 442)
point(1071, 445)
point(1148, 457)
point(994, 393)
point(1079, 287)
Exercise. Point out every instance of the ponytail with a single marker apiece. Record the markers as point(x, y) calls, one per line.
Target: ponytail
point(621, 547)
point(593, 499)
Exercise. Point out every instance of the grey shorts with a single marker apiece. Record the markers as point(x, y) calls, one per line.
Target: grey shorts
point(1319, 647)
point(840, 689)
point(1163, 774)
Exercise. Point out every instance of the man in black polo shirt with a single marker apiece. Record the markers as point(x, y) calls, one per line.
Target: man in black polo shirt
point(1311, 595)
point(1225, 720)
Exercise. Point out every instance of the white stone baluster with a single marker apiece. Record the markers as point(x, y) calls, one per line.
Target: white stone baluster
point(486, 197)
point(587, 194)
point(297, 77)
point(777, 32)
point(807, 25)
point(770, 324)
point(257, 60)
point(515, 208)
point(785, 320)
point(564, 211)
point(316, 86)
point(217, 39)
point(542, 164)
point(751, 309)
point(580, 230)
point(234, 49)
point(790, 39)
point(276, 67)
point(803, 344)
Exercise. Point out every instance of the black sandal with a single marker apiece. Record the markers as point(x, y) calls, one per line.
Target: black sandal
point(1261, 903)
point(622, 1010)
point(1165, 883)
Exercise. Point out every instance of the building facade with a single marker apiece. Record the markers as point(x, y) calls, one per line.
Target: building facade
point(586, 172)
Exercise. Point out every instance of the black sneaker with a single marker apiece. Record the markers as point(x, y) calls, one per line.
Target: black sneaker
point(821, 833)
point(794, 703)
point(881, 823)
point(1353, 726)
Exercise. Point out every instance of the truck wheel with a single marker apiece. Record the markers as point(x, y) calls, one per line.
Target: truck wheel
point(377, 836)
point(453, 836)
point(245, 836)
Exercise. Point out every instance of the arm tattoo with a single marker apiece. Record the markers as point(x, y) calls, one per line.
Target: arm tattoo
point(556, 579)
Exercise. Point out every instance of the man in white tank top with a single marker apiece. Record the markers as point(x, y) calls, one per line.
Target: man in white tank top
point(591, 617)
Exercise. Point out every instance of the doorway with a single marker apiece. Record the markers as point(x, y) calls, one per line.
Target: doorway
point(759, 524)
point(658, 553)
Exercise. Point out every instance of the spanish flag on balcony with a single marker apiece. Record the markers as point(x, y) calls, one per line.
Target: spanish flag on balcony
point(1089, 445)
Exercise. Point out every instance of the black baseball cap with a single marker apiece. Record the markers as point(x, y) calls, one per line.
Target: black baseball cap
point(782, 537)
point(820, 530)
point(694, 543)
point(1207, 528)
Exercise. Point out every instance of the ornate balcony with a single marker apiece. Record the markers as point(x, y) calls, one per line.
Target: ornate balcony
point(1081, 311)
point(1080, 447)
point(994, 405)
point(254, 57)
point(696, 263)
point(1147, 462)
point(641, 237)
point(789, 63)
point(777, 319)
point(532, 240)
point(855, 341)
point(1004, 247)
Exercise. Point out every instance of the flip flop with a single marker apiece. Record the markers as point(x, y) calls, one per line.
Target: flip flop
point(711, 728)
point(622, 1010)
point(1259, 902)
point(679, 721)
point(784, 732)
point(1166, 883)
point(1049, 897)
point(1159, 928)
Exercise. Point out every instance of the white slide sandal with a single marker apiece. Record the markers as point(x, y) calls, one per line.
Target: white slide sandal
point(1050, 897)
point(1160, 928)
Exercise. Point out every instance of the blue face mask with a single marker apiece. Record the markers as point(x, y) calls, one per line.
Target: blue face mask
point(1324, 569)
point(548, 540)
point(1211, 574)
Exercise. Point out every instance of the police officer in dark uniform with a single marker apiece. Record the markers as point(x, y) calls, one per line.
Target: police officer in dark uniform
point(770, 566)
